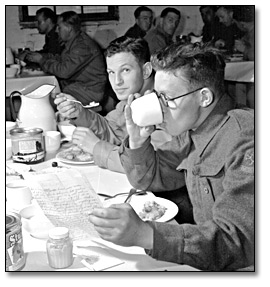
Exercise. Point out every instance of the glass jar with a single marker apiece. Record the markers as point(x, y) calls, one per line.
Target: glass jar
point(27, 145)
point(59, 248)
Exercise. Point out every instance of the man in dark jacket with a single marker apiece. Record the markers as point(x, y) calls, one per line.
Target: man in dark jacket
point(144, 18)
point(46, 20)
point(81, 67)
point(212, 28)
point(46, 25)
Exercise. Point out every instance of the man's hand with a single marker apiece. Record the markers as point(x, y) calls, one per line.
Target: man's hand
point(66, 108)
point(137, 135)
point(34, 57)
point(120, 224)
point(239, 45)
point(23, 55)
point(85, 139)
point(220, 44)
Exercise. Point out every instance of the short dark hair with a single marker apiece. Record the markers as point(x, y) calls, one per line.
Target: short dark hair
point(212, 7)
point(168, 10)
point(201, 64)
point(140, 9)
point(47, 13)
point(71, 18)
point(138, 47)
point(244, 13)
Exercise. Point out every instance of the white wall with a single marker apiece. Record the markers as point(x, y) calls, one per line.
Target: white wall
point(103, 34)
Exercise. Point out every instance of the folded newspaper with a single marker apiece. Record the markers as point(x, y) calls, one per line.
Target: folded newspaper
point(66, 197)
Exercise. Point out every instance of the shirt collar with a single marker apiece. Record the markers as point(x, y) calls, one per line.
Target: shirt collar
point(212, 124)
point(51, 32)
point(167, 36)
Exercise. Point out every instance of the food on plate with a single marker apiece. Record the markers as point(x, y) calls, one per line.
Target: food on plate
point(152, 211)
point(75, 153)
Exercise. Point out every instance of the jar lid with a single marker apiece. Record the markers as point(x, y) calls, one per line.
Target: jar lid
point(26, 131)
point(58, 233)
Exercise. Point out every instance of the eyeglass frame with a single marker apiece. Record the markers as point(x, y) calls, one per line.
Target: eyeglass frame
point(166, 101)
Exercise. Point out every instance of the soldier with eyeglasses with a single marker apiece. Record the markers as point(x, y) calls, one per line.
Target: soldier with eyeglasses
point(211, 151)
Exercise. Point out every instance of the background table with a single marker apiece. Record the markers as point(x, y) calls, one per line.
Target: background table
point(239, 77)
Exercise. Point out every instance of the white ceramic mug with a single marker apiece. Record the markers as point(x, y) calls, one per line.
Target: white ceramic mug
point(18, 67)
point(18, 194)
point(146, 110)
point(8, 148)
point(52, 140)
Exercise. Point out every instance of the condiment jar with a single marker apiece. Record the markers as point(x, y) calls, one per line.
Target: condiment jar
point(59, 248)
point(15, 257)
point(27, 145)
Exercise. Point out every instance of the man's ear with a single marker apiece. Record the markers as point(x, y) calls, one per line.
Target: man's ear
point(207, 97)
point(147, 70)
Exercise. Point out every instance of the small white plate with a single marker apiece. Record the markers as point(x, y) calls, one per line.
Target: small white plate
point(138, 201)
point(60, 157)
point(171, 208)
point(33, 72)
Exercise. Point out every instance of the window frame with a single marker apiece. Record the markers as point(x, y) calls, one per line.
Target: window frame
point(27, 21)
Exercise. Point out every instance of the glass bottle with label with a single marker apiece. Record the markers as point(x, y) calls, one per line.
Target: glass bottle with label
point(59, 248)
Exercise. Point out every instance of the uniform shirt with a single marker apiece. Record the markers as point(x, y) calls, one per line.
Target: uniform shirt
point(111, 130)
point(211, 31)
point(135, 32)
point(80, 68)
point(158, 39)
point(229, 34)
point(216, 161)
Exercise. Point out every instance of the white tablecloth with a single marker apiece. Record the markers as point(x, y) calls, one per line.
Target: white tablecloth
point(132, 258)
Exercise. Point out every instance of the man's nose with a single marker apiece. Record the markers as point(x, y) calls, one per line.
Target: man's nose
point(118, 80)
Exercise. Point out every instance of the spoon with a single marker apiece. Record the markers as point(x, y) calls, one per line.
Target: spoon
point(91, 105)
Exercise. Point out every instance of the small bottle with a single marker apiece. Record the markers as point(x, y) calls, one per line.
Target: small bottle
point(59, 248)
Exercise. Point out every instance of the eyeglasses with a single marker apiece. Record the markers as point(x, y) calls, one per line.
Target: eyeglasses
point(166, 101)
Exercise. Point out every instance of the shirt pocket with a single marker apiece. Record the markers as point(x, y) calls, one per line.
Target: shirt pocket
point(210, 184)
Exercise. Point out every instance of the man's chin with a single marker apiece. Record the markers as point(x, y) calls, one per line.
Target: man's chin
point(122, 97)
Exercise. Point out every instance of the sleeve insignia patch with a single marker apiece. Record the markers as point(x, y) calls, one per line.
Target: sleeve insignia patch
point(248, 162)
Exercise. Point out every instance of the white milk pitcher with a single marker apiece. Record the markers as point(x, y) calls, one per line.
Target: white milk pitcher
point(36, 110)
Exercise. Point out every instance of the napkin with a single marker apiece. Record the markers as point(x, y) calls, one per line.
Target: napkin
point(96, 258)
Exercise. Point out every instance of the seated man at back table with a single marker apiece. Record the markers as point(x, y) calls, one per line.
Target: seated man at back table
point(162, 36)
point(46, 25)
point(212, 151)
point(144, 18)
point(81, 68)
point(212, 28)
point(229, 30)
